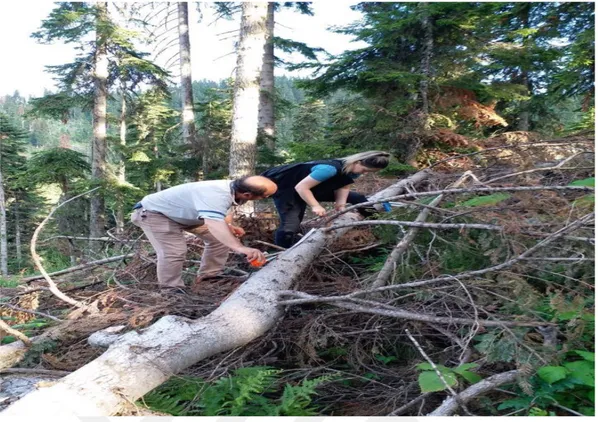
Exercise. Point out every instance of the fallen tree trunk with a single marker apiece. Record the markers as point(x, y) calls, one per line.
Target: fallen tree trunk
point(140, 361)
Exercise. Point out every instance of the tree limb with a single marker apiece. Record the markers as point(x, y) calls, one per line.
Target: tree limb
point(450, 405)
point(36, 259)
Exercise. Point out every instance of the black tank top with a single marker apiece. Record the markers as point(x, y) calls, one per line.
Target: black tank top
point(288, 176)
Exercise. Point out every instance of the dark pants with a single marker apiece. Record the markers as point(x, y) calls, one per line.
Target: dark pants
point(291, 210)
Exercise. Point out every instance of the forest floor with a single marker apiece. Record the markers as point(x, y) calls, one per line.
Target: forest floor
point(372, 363)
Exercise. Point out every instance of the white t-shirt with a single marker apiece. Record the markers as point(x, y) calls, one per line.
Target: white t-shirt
point(189, 203)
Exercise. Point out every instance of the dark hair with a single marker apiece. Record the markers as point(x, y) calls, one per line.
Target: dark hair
point(241, 186)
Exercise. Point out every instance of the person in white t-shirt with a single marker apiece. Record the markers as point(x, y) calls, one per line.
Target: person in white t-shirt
point(204, 208)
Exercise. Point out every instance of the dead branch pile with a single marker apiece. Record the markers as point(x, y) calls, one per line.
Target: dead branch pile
point(480, 268)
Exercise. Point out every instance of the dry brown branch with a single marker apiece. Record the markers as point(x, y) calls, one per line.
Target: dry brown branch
point(549, 239)
point(448, 191)
point(391, 261)
point(80, 267)
point(450, 405)
point(30, 311)
point(416, 224)
point(402, 409)
point(17, 334)
point(519, 146)
point(376, 308)
point(559, 166)
point(36, 259)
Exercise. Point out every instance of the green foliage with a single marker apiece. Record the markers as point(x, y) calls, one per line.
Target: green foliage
point(429, 381)
point(571, 384)
point(251, 391)
point(590, 182)
point(57, 165)
point(33, 355)
point(397, 169)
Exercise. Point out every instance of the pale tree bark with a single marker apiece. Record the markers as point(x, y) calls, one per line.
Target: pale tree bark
point(187, 115)
point(97, 217)
point(3, 234)
point(266, 124)
point(139, 361)
point(18, 247)
point(428, 44)
point(121, 171)
point(246, 96)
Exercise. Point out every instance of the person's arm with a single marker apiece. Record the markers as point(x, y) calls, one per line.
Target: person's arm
point(235, 230)
point(319, 173)
point(303, 188)
point(220, 230)
point(340, 198)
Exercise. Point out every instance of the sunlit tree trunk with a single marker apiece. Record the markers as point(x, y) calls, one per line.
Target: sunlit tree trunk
point(121, 172)
point(18, 249)
point(97, 217)
point(425, 64)
point(188, 118)
point(247, 89)
point(3, 234)
point(266, 124)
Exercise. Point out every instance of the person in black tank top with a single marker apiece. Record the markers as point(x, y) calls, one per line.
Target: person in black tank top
point(312, 182)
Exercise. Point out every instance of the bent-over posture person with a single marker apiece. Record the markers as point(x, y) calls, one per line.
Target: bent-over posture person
point(312, 182)
point(202, 207)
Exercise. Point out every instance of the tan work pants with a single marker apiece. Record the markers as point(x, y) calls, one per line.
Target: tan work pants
point(168, 240)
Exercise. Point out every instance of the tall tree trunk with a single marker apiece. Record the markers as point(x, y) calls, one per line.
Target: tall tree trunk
point(428, 45)
point(139, 361)
point(266, 124)
point(523, 77)
point(97, 217)
point(524, 114)
point(18, 248)
point(246, 97)
point(3, 234)
point(158, 184)
point(121, 171)
point(188, 118)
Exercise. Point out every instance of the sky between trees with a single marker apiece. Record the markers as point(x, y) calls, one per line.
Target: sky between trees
point(213, 55)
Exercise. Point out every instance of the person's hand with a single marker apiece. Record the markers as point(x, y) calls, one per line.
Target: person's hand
point(319, 210)
point(339, 207)
point(252, 254)
point(237, 231)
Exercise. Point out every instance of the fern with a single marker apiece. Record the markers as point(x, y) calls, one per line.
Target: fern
point(241, 393)
point(246, 392)
point(174, 396)
point(295, 399)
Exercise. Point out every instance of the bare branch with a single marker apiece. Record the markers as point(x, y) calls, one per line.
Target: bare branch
point(556, 167)
point(36, 259)
point(30, 311)
point(450, 405)
point(80, 267)
point(431, 362)
point(17, 334)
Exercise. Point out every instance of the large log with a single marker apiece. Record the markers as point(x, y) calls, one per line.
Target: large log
point(140, 361)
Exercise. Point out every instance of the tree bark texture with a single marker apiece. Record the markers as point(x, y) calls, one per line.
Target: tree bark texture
point(187, 115)
point(121, 170)
point(266, 123)
point(3, 234)
point(97, 215)
point(428, 44)
point(140, 361)
point(246, 98)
